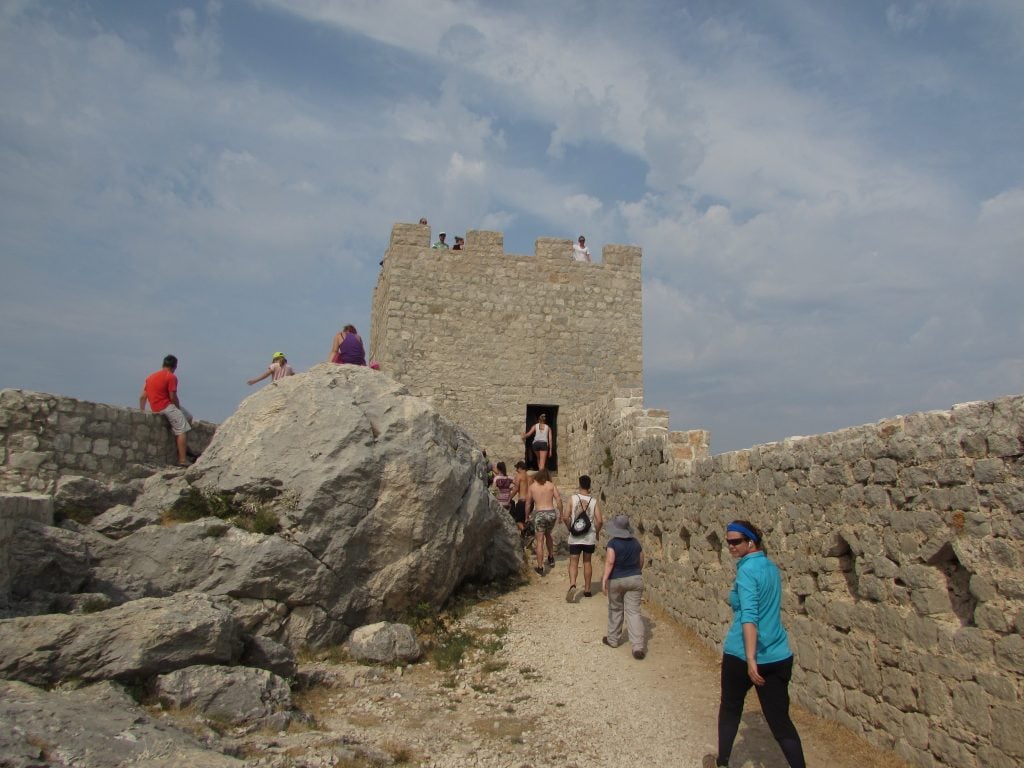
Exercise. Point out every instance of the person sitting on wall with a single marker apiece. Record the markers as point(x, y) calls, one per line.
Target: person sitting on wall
point(278, 369)
point(543, 440)
point(440, 244)
point(580, 252)
point(161, 392)
point(347, 347)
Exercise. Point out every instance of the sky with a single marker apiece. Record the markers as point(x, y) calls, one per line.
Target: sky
point(829, 195)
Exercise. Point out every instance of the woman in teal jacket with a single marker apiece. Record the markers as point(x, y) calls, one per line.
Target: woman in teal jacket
point(756, 649)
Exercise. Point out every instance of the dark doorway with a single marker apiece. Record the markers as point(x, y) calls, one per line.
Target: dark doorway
point(533, 412)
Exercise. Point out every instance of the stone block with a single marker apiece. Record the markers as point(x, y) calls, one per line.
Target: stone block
point(1007, 730)
point(915, 730)
point(1010, 653)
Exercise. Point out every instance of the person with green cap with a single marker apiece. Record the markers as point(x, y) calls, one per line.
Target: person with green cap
point(277, 369)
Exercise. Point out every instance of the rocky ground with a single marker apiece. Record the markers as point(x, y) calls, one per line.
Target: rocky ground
point(535, 687)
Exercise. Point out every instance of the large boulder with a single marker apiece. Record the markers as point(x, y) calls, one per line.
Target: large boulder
point(361, 501)
point(130, 643)
point(383, 643)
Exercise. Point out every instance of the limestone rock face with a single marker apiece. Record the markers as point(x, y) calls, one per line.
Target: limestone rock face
point(129, 643)
point(377, 502)
point(63, 728)
point(234, 695)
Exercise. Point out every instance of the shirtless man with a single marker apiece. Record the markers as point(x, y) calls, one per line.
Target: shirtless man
point(520, 490)
point(543, 506)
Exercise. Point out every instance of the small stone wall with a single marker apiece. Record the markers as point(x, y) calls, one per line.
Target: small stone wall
point(43, 437)
point(900, 543)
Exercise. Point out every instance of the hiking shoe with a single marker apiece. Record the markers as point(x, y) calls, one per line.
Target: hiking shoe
point(639, 655)
point(551, 560)
point(571, 594)
point(539, 571)
point(605, 641)
point(588, 594)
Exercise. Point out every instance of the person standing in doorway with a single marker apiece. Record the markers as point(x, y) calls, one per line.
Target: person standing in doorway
point(543, 440)
point(756, 649)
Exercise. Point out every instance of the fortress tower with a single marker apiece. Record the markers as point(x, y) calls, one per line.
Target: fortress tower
point(494, 339)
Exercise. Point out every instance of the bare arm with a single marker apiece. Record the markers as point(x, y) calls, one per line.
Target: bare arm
point(142, 400)
point(530, 432)
point(338, 338)
point(598, 520)
point(609, 563)
point(260, 378)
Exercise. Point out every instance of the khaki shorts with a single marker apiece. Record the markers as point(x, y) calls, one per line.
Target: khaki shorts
point(544, 520)
point(177, 419)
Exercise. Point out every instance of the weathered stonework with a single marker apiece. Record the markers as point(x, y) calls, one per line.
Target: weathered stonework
point(44, 437)
point(482, 334)
point(900, 543)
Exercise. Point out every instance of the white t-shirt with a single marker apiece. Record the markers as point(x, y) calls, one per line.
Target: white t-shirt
point(579, 503)
point(580, 254)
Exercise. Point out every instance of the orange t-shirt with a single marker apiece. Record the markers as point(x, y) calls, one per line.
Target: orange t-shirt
point(159, 388)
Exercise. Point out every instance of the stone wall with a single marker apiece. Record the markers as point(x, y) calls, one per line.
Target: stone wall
point(900, 543)
point(481, 333)
point(44, 437)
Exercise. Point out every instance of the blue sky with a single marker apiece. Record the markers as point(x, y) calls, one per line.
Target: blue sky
point(829, 195)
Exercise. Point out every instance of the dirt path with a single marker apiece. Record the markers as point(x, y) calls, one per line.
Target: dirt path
point(540, 689)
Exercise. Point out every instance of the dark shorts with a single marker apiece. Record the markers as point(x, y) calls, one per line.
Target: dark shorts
point(575, 549)
point(540, 446)
point(518, 511)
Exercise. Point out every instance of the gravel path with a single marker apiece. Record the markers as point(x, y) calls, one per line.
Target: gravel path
point(547, 692)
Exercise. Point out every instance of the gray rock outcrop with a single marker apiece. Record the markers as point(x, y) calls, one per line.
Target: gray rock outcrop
point(129, 643)
point(375, 499)
point(235, 695)
point(41, 728)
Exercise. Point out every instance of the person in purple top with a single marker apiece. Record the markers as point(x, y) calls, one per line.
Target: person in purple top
point(347, 347)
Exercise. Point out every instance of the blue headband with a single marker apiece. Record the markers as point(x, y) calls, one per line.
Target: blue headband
point(737, 528)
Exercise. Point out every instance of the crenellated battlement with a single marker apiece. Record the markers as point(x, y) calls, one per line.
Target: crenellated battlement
point(483, 242)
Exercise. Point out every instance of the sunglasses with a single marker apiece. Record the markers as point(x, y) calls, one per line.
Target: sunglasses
point(734, 542)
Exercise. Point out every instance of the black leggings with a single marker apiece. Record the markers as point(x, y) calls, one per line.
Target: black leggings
point(774, 698)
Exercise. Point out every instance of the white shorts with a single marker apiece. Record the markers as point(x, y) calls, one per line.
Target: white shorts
point(177, 419)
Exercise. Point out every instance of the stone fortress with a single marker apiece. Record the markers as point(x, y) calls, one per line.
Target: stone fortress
point(900, 543)
point(492, 340)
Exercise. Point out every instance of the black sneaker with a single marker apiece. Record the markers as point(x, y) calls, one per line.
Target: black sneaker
point(551, 560)
point(639, 655)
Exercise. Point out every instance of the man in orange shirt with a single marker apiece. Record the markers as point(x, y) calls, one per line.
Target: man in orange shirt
point(161, 391)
